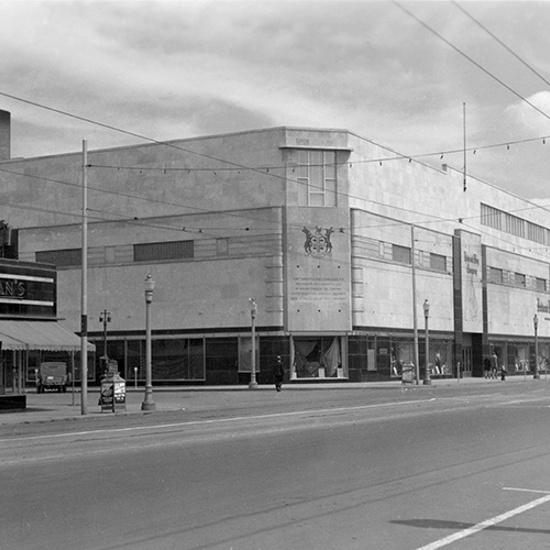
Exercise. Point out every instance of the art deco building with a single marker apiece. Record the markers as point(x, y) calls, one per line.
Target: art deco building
point(339, 241)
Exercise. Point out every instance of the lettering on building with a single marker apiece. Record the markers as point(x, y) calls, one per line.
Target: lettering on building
point(472, 263)
point(12, 288)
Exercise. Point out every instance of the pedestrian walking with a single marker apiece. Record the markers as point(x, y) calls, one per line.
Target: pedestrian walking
point(278, 373)
point(503, 373)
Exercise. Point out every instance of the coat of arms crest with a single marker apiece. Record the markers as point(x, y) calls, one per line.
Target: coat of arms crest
point(318, 241)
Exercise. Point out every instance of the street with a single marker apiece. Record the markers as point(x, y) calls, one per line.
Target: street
point(459, 468)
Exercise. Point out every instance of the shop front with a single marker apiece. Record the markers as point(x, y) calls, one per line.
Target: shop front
point(30, 333)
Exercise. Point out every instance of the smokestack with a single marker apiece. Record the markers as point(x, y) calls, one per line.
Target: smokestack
point(5, 135)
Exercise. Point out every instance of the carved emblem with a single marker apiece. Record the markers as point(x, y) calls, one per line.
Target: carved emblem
point(318, 242)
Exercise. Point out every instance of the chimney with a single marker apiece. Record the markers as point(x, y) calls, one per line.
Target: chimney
point(5, 135)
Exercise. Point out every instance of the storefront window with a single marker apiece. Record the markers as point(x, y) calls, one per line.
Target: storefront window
point(178, 359)
point(319, 357)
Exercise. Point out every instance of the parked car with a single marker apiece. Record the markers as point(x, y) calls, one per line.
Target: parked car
point(51, 376)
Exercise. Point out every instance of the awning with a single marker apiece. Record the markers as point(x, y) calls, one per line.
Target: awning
point(39, 335)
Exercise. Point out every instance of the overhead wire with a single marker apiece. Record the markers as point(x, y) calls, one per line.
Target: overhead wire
point(265, 170)
point(470, 59)
point(497, 39)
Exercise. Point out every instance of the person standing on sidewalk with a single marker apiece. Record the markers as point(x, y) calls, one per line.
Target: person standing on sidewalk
point(278, 373)
point(494, 366)
point(486, 367)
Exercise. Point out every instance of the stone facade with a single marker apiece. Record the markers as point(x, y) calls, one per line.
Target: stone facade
point(338, 239)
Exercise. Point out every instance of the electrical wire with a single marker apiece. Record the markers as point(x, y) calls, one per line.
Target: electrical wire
point(470, 59)
point(492, 35)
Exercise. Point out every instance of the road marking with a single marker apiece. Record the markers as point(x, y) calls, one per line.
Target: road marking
point(488, 522)
point(216, 420)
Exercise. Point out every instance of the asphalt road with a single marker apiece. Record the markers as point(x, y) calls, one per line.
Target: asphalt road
point(459, 468)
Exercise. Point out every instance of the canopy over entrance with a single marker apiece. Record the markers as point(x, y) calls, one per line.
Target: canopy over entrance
point(39, 335)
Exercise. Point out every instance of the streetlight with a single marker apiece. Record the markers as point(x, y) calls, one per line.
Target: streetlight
point(427, 380)
point(105, 317)
point(253, 308)
point(536, 324)
point(148, 403)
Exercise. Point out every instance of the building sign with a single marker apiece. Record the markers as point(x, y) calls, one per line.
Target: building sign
point(471, 288)
point(318, 269)
point(27, 290)
point(471, 263)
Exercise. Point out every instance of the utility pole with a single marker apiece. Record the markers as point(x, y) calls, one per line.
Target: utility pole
point(84, 286)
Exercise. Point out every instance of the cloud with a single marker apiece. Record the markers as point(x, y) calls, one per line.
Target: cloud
point(525, 116)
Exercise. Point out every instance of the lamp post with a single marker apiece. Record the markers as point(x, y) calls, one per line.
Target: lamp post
point(105, 317)
point(427, 379)
point(253, 308)
point(536, 325)
point(148, 403)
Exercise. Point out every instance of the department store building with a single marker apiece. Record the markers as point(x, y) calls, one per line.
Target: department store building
point(338, 240)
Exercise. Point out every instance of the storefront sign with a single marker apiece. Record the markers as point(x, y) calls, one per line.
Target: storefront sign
point(27, 289)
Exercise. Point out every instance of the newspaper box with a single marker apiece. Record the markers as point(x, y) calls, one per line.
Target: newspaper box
point(407, 375)
point(112, 393)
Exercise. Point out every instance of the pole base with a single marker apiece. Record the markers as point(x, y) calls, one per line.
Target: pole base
point(253, 386)
point(148, 406)
point(427, 382)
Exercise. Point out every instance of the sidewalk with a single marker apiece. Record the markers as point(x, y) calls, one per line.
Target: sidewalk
point(53, 406)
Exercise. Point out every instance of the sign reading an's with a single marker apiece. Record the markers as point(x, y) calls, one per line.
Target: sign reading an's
point(27, 290)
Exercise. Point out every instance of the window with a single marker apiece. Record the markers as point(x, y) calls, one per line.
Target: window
point(172, 250)
point(496, 275)
point(438, 262)
point(491, 217)
point(514, 225)
point(316, 178)
point(60, 258)
point(498, 219)
point(540, 284)
point(520, 279)
point(401, 254)
point(537, 233)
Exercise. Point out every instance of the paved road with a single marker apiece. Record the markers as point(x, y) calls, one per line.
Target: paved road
point(459, 467)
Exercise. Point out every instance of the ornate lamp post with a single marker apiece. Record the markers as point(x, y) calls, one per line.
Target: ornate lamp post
point(148, 403)
point(426, 306)
point(105, 317)
point(253, 308)
point(536, 325)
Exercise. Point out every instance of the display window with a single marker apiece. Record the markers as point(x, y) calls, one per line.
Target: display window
point(319, 357)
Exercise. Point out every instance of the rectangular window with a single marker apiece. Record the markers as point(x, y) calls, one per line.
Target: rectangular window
point(514, 225)
point(438, 262)
point(316, 178)
point(179, 359)
point(173, 250)
point(491, 217)
point(60, 258)
point(540, 284)
point(401, 254)
point(537, 233)
point(496, 275)
point(520, 279)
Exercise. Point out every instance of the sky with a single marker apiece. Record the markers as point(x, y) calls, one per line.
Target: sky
point(422, 78)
